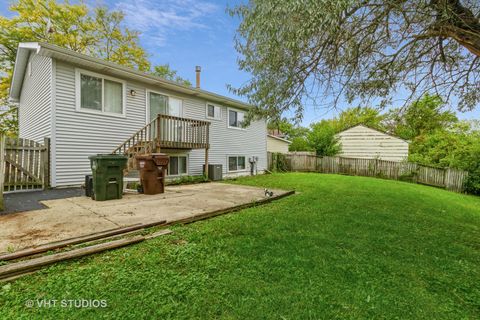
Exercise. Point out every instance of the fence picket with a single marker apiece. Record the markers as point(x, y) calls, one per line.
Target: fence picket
point(25, 165)
point(450, 179)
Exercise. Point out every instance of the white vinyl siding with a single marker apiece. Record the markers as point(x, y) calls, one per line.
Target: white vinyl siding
point(366, 143)
point(35, 112)
point(81, 134)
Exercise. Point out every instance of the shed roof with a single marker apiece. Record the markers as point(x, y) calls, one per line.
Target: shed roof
point(382, 132)
point(278, 138)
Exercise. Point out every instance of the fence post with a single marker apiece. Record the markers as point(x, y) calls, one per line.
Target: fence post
point(2, 168)
point(45, 160)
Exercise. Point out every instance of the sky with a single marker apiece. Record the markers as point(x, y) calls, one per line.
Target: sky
point(187, 33)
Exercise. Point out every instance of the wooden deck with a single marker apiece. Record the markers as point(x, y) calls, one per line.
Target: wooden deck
point(169, 132)
point(166, 132)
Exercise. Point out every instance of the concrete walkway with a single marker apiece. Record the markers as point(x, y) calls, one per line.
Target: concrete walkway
point(77, 216)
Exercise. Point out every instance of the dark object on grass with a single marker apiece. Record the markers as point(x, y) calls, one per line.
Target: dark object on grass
point(268, 193)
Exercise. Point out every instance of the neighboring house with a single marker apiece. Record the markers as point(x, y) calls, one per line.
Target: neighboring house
point(277, 144)
point(363, 142)
point(88, 106)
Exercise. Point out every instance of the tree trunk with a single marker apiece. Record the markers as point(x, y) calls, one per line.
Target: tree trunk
point(457, 22)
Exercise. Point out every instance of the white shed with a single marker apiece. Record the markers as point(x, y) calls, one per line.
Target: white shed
point(277, 144)
point(366, 143)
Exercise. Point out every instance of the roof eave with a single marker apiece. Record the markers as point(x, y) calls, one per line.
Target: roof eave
point(21, 60)
point(278, 138)
point(61, 53)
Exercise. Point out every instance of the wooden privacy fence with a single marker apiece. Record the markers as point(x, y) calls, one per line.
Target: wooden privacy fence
point(450, 179)
point(25, 165)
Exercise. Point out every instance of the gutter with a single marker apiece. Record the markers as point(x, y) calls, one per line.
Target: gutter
point(59, 53)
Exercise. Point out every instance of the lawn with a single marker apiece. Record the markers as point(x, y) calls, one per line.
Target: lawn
point(342, 247)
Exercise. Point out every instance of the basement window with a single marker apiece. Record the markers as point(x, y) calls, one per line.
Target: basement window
point(236, 163)
point(99, 94)
point(177, 166)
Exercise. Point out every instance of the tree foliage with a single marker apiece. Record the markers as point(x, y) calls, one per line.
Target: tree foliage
point(351, 117)
point(97, 32)
point(423, 116)
point(287, 128)
point(455, 147)
point(300, 144)
point(322, 138)
point(366, 50)
point(164, 71)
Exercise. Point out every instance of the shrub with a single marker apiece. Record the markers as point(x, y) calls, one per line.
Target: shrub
point(279, 162)
point(188, 180)
point(472, 184)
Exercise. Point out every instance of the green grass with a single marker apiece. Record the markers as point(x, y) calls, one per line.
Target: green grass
point(342, 247)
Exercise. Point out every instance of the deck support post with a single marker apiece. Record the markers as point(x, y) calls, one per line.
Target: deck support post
point(207, 141)
point(206, 162)
point(157, 135)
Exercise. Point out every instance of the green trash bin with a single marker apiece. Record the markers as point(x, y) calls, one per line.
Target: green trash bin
point(107, 172)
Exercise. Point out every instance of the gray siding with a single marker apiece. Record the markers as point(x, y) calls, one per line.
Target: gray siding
point(79, 134)
point(34, 113)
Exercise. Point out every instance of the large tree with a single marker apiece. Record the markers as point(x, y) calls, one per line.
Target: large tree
point(367, 116)
point(423, 116)
point(322, 138)
point(364, 50)
point(164, 71)
point(98, 32)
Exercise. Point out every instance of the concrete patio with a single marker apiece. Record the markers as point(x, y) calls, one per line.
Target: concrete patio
point(78, 216)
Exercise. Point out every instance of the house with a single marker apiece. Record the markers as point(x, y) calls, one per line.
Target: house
point(277, 144)
point(88, 106)
point(363, 142)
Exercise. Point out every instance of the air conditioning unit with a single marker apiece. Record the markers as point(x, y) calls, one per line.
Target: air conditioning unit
point(215, 172)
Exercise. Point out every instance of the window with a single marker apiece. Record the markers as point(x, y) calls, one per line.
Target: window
point(177, 165)
point(161, 104)
point(99, 94)
point(214, 112)
point(175, 107)
point(236, 163)
point(235, 118)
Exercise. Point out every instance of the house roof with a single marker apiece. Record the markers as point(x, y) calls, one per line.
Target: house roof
point(383, 132)
point(278, 138)
point(100, 65)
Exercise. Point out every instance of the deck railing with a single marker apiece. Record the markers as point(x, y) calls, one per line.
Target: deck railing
point(167, 132)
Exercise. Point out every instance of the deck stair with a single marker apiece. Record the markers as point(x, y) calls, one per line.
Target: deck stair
point(165, 132)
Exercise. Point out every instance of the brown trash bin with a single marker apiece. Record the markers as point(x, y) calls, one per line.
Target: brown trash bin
point(152, 169)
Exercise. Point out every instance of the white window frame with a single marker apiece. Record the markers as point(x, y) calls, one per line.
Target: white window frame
point(214, 106)
point(78, 85)
point(181, 174)
point(147, 103)
point(237, 156)
point(228, 118)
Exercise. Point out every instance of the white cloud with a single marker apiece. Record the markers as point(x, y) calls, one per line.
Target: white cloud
point(155, 19)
